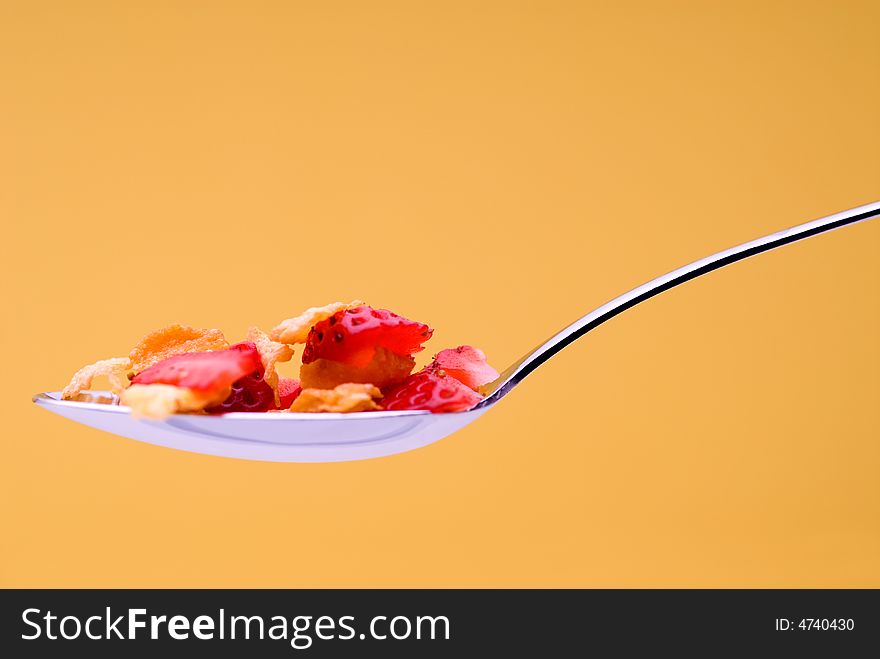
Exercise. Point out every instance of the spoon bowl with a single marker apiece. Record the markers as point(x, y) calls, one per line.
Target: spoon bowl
point(291, 437)
point(270, 436)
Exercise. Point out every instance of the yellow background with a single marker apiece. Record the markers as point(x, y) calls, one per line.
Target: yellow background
point(495, 170)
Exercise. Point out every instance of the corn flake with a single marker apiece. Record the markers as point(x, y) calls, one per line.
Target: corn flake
point(384, 369)
point(296, 330)
point(159, 401)
point(115, 369)
point(271, 353)
point(349, 397)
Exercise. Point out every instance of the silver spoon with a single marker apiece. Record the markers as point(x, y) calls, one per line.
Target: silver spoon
point(338, 437)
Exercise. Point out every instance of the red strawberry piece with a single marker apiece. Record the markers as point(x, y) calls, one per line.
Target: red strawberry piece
point(205, 371)
point(431, 390)
point(467, 365)
point(288, 390)
point(249, 394)
point(351, 336)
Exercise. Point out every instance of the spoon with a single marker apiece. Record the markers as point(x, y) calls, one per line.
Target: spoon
point(294, 437)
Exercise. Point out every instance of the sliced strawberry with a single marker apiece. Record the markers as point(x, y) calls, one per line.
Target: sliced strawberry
point(288, 390)
point(466, 364)
point(204, 371)
point(351, 336)
point(249, 394)
point(431, 390)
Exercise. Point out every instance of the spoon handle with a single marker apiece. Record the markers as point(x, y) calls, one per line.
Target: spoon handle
point(518, 371)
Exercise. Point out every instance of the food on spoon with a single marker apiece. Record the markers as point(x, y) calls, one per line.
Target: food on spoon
point(259, 391)
point(364, 345)
point(356, 359)
point(288, 390)
point(296, 330)
point(349, 397)
point(204, 381)
point(174, 340)
point(466, 364)
point(432, 390)
point(249, 394)
point(157, 401)
point(205, 371)
point(384, 369)
point(271, 353)
point(353, 335)
point(114, 369)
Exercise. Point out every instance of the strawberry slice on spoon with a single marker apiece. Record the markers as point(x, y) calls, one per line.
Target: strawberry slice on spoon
point(204, 371)
point(352, 336)
point(466, 364)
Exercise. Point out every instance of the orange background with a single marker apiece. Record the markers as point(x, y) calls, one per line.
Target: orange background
point(495, 170)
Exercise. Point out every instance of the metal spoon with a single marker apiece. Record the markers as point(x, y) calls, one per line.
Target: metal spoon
point(339, 437)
